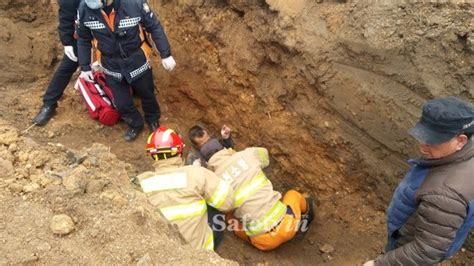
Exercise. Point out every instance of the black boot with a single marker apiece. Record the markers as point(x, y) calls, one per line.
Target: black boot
point(45, 113)
point(132, 133)
point(153, 126)
point(306, 219)
point(309, 215)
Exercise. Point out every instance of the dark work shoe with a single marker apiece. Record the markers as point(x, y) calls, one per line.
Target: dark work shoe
point(154, 126)
point(45, 113)
point(309, 215)
point(132, 133)
point(306, 218)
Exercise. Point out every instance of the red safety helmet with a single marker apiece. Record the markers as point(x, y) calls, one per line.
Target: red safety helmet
point(164, 143)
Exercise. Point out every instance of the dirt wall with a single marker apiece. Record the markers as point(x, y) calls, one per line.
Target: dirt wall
point(333, 83)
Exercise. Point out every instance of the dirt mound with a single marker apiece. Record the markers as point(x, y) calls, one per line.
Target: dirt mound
point(62, 206)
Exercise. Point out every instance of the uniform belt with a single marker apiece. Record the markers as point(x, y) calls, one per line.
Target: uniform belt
point(121, 54)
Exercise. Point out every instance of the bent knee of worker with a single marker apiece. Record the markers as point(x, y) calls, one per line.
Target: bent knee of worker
point(296, 201)
point(292, 195)
point(269, 241)
point(275, 238)
point(265, 242)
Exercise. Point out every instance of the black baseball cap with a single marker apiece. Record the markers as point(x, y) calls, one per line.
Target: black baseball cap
point(442, 119)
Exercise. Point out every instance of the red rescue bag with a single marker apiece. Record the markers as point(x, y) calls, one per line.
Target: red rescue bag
point(98, 99)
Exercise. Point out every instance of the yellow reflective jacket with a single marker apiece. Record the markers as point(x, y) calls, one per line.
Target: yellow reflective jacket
point(255, 202)
point(182, 194)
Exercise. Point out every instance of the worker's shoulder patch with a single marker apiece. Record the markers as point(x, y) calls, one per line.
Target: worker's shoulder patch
point(160, 182)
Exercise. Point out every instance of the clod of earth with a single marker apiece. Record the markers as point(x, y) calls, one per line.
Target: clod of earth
point(61, 224)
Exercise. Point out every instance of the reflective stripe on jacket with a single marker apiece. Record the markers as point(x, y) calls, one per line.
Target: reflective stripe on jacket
point(257, 204)
point(182, 194)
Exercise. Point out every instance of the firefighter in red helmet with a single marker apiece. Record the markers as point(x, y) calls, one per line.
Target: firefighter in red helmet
point(183, 193)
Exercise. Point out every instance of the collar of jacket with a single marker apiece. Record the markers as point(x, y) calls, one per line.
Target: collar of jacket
point(466, 153)
point(116, 4)
point(174, 162)
point(218, 158)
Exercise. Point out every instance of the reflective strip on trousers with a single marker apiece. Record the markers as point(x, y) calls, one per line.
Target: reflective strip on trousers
point(242, 194)
point(268, 221)
point(184, 211)
point(140, 70)
point(112, 73)
point(209, 244)
point(219, 196)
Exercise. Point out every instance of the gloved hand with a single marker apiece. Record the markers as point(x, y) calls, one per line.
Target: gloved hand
point(225, 132)
point(168, 63)
point(197, 162)
point(369, 263)
point(69, 52)
point(87, 76)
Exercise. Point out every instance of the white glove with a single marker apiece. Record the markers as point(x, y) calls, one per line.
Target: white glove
point(168, 63)
point(225, 132)
point(197, 162)
point(69, 52)
point(87, 76)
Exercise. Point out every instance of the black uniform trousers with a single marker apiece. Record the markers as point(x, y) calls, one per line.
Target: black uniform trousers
point(60, 80)
point(123, 99)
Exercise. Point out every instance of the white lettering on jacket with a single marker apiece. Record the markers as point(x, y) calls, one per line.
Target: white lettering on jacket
point(94, 25)
point(129, 22)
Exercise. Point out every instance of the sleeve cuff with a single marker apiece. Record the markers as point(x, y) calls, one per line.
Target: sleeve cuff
point(164, 56)
point(86, 68)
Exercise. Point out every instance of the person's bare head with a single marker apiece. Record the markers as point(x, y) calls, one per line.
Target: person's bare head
point(198, 136)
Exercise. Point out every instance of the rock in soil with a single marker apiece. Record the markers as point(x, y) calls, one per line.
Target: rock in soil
point(326, 248)
point(61, 224)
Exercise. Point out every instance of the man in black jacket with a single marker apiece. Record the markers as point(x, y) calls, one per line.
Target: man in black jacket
point(62, 76)
point(119, 27)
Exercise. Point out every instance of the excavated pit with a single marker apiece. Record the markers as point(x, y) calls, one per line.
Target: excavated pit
point(329, 88)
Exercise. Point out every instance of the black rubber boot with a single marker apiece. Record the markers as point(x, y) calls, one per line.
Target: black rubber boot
point(153, 126)
point(306, 219)
point(132, 133)
point(309, 215)
point(44, 115)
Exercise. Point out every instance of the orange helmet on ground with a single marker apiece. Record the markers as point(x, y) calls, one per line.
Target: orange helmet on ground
point(164, 143)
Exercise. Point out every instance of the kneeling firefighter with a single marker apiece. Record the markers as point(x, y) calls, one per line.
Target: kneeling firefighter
point(183, 193)
point(263, 219)
point(118, 29)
